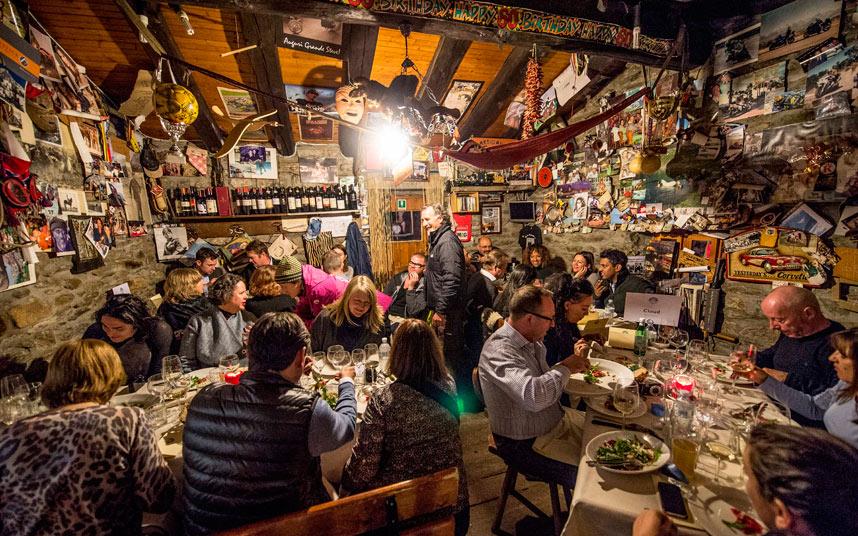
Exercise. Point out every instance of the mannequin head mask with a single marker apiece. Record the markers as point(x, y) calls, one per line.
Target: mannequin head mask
point(350, 108)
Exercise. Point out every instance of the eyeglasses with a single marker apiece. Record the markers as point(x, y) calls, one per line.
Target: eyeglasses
point(417, 265)
point(549, 318)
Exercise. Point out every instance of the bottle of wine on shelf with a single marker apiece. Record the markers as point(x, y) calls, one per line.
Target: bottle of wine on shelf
point(211, 202)
point(326, 199)
point(186, 202)
point(305, 200)
point(341, 199)
point(319, 199)
point(274, 195)
point(202, 205)
point(352, 203)
point(247, 202)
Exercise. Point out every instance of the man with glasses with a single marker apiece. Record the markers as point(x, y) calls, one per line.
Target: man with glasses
point(521, 392)
point(407, 291)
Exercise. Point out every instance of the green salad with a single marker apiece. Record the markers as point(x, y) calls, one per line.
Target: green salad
point(628, 454)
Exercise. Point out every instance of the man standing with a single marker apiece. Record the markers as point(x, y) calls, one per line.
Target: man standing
point(445, 273)
point(267, 432)
point(799, 357)
point(616, 281)
point(206, 263)
point(407, 290)
point(522, 393)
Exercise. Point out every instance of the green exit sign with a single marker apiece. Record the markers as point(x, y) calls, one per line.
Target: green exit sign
point(401, 204)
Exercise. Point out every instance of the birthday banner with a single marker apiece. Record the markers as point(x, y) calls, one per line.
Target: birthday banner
point(514, 19)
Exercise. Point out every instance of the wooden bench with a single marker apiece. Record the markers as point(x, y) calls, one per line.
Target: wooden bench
point(419, 507)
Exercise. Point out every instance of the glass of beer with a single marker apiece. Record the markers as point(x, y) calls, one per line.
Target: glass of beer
point(685, 452)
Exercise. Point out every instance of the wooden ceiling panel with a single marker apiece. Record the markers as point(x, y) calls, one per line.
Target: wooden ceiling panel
point(390, 51)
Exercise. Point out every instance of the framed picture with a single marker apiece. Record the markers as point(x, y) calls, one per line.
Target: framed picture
point(86, 257)
point(804, 218)
point(171, 242)
point(420, 172)
point(241, 164)
point(405, 225)
point(314, 169)
point(461, 95)
point(238, 102)
point(490, 219)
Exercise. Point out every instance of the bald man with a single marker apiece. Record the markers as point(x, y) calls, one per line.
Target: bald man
point(799, 358)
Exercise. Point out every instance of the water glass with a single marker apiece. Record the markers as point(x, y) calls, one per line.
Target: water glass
point(358, 360)
point(696, 354)
point(158, 385)
point(319, 361)
point(171, 367)
point(227, 363)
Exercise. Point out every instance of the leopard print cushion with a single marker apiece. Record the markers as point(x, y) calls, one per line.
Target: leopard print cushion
point(86, 471)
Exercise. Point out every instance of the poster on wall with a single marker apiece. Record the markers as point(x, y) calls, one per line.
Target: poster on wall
point(15, 271)
point(490, 219)
point(405, 225)
point(171, 241)
point(61, 236)
point(836, 73)
point(775, 254)
point(737, 50)
point(797, 26)
point(461, 95)
point(237, 103)
point(315, 128)
point(317, 169)
point(253, 162)
point(754, 93)
point(323, 37)
point(462, 226)
point(320, 99)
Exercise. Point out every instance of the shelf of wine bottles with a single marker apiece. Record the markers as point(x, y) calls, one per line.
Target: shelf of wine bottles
point(213, 203)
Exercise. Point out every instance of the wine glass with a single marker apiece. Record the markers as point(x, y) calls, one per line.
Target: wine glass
point(227, 363)
point(319, 361)
point(358, 360)
point(696, 354)
point(338, 359)
point(158, 384)
point(332, 353)
point(171, 367)
point(679, 339)
point(626, 399)
point(372, 363)
point(740, 363)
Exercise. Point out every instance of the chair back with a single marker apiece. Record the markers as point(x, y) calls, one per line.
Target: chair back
point(421, 506)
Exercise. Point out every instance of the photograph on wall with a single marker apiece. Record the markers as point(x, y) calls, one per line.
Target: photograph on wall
point(847, 225)
point(787, 141)
point(136, 228)
point(52, 136)
point(405, 225)
point(420, 171)
point(490, 219)
point(61, 236)
point(237, 103)
point(171, 241)
point(16, 271)
point(461, 95)
point(11, 90)
point(43, 44)
point(99, 235)
point(71, 201)
point(90, 138)
point(320, 99)
point(316, 36)
point(797, 26)
point(804, 218)
point(255, 168)
point(315, 128)
point(837, 73)
point(38, 231)
point(579, 203)
point(117, 220)
point(86, 257)
point(624, 129)
point(754, 93)
point(737, 50)
point(515, 111)
point(316, 169)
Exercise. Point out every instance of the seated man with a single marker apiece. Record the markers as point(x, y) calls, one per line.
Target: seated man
point(407, 291)
point(257, 254)
point(616, 281)
point(251, 451)
point(206, 263)
point(521, 393)
point(348, 271)
point(799, 358)
point(333, 264)
point(800, 482)
point(484, 246)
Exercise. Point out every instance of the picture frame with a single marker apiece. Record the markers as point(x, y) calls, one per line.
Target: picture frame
point(419, 171)
point(491, 219)
point(171, 242)
point(461, 95)
point(405, 225)
point(804, 218)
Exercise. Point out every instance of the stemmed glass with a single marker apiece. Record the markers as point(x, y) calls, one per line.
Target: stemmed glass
point(679, 339)
point(319, 361)
point(696, 354)
point(333, 351)
point(159, 384)
point(171, 367)
point(740, 364)
point(339, 358)
point(14, 393)
point(227, 363)
point(359, 360)
point(626, 399)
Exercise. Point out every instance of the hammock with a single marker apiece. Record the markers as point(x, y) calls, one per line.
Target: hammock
point(505, 156)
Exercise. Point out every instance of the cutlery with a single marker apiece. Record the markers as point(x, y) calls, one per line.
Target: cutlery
point(630, 426)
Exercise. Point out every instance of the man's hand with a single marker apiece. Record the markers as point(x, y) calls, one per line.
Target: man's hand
point(347, 372)
point(581, 347)
point(779, 375)
point(575, 363)
point(653, 523)
point(601, 287)
point(438, 322)
point(411, 281)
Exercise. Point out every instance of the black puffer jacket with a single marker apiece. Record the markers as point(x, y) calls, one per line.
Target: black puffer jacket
point(445, 270)
point(245, 453)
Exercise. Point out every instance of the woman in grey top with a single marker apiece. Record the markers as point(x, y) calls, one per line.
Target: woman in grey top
point(218, 331)
point(837, 407)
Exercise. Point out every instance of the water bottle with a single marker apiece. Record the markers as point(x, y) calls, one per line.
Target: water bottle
point(640, 339)
point(383, 354)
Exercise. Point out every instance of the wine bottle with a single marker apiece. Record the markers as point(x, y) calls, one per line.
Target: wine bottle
point(202, 206)
point(247, 202)
point(185, 201)
point(290, 200)
point(352, 203)
point(275, 200)
point(305, 200)
point(211, 202)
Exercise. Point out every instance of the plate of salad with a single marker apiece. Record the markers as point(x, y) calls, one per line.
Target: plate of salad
point(626, 452)
point(599, 378)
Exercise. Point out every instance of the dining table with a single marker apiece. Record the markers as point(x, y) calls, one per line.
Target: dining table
point(606, 503)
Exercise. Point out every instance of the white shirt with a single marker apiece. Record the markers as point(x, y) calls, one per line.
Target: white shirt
point(487, 275)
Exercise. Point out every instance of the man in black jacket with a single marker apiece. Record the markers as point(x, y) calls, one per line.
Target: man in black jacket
point(616, 281)
point(407, 289)
point(445, 275)
point(251, 451)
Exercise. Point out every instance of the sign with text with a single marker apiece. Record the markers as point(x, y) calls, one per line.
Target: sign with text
point(662, 309)
point(313, 35)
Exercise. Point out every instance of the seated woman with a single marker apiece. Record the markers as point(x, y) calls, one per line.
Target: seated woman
point(837, 407)
point(540, 258)
point(140, 339)
point(572, 300)
point(183, 298)
point(388, 450)
point(584, 267)
point(269, 296)
point(521, 275)
point(219, 330)
point(353, 321)
point(82, 467)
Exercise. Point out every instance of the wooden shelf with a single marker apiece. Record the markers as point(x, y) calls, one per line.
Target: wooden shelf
point(242, 217)
point(495, 188)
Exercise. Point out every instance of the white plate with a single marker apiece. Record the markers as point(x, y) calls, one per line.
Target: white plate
point(134, 400)
point(204, 376)
point(600, 439)
point(723, 372)
point(714, 513)
point(597, 403)
point(616, 373)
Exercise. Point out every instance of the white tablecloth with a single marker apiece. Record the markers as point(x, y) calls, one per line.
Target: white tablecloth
point(606, 504)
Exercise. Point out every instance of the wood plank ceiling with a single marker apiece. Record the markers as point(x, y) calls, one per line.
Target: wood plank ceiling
point(97, 35)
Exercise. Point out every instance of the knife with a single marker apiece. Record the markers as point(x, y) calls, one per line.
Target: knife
point(629, 426)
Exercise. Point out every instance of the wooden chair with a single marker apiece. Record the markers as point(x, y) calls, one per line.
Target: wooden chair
point(419, 507)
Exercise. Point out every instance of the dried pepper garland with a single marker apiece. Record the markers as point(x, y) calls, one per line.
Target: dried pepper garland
point(533, 92)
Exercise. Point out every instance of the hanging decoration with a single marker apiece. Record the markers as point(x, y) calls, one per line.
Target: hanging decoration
point(533, 92)
point(175, 106)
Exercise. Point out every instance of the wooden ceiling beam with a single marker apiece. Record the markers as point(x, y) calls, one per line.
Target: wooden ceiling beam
point(507, 82)
point(265, 59)
point(160, 41)
point(359, 43)
point(448, 56)
point(348, 15)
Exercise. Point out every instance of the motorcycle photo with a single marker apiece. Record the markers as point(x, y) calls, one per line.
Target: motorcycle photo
point(817, 27)
point(736, 51)
point(829, 83)
point(786, 38)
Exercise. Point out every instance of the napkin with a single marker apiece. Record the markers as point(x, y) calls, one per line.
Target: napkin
point(563, 443)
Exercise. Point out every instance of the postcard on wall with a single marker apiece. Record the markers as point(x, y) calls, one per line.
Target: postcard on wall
point(804, 218)
point(323, 37)
point(238, 103)
point(253, 162)
point(737, 50)
point(461, 95)
point(836, 73)
point(15, 270)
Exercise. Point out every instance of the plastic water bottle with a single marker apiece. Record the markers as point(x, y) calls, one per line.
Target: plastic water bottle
point(383, 354)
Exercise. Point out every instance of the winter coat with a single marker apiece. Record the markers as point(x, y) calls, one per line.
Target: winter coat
point(445, 270)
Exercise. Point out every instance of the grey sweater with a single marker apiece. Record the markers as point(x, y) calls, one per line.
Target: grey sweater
point(213, 334)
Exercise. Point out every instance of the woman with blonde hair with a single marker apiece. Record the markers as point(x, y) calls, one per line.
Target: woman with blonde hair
point(102, 461)
point(269, 296)
point(353, 321)
point(422, 398)
point(183, 298)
